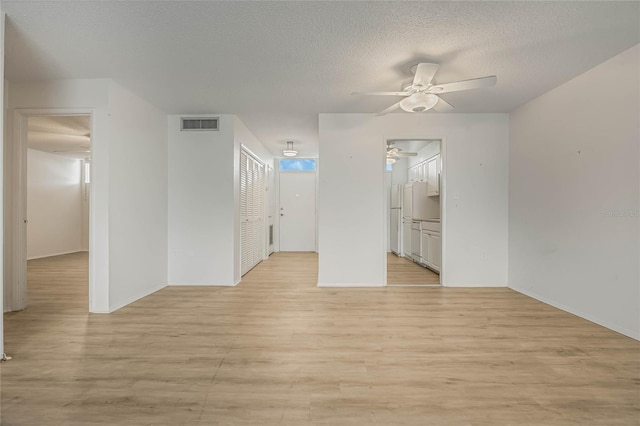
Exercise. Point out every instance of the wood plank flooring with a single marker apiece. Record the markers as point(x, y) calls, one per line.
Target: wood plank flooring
point(401, 270)
point(278, 350)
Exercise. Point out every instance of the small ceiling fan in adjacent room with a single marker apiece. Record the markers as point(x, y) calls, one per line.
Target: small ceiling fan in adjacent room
point(421, 95)
point(393, 153)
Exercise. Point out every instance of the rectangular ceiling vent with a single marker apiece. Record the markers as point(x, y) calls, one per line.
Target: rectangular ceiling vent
point(193, 123)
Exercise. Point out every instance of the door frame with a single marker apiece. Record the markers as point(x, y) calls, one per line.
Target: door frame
point(15, 283)
point(443, 201)
point(277, 195)
point(265, 213)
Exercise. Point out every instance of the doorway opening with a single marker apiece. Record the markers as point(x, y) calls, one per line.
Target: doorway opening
point(58, 196)
point(50, 214)
point(290, 242)
point(413, 211)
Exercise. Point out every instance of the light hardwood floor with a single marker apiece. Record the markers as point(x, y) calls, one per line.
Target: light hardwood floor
point(401, 270)
point(278, 350)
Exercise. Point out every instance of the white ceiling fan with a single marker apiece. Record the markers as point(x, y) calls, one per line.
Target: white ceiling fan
point(421, 95)
point(393, 153)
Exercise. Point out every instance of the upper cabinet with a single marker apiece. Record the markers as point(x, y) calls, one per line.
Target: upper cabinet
point(433, 176)
point(427, 171)
point(413, 174)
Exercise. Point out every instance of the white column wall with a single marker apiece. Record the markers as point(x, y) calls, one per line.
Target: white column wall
point(137, 198)
point(54, 204)
point(574, 228)
point(351, 198)
point(202, 205)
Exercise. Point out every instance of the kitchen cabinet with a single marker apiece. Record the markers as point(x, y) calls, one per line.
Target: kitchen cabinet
point(416, 246)
point(431, 245)
point(418, 173)
point(433, 176)
point(406, 238)
point(413, 174)
point(427, 171)
point(424, 237)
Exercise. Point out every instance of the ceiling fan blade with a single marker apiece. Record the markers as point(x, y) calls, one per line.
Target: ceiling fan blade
point(475, 83)
point(424, 74)
point(442, 106)
point(388, 110)
point(382, 93)
point(406, 154)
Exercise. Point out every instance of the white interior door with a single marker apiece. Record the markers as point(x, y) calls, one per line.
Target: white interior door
point(252, 211)
point(297, 211)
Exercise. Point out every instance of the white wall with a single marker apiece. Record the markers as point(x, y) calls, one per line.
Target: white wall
point(400, 171)
point(128, 224)
point(351, 198)
point(574, 195)
point(54, 204)
point(138, 200)
point(202, 205)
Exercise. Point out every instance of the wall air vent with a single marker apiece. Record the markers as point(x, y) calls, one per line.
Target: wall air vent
point(206, 123)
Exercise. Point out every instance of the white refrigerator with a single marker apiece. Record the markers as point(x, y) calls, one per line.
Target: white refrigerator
point(395, 225)
point(419, 208)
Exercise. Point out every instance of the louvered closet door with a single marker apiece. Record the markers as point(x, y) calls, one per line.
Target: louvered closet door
point(252, 211)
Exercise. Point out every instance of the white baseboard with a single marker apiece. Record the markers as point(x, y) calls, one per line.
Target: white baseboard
point(55, 254)
point(475, 285)
point(202, 285)
point(615, 327)
point(113, 308)
point(347, 285)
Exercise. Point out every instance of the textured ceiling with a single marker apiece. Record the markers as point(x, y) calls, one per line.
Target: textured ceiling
point(278, 64)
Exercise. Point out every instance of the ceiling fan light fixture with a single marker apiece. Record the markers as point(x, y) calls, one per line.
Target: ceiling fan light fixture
point(419, 102)
point(289, 152)
point(391, 160)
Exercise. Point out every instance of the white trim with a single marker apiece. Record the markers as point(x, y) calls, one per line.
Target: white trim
point(62, 253)
point(385, 208)
point(202, 284)
point(18, 196)
point(443, 213)
point(477, 285)
point(588, 317)
point(414, 285)
point(3, 105)
point(276, 222)
point(443, 209)
point(248, 151)
point(351, 285)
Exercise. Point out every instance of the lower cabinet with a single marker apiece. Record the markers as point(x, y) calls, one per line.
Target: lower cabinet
point(431, 249)
point(406, 239)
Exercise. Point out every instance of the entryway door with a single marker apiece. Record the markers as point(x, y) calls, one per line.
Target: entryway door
point(297, 211)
